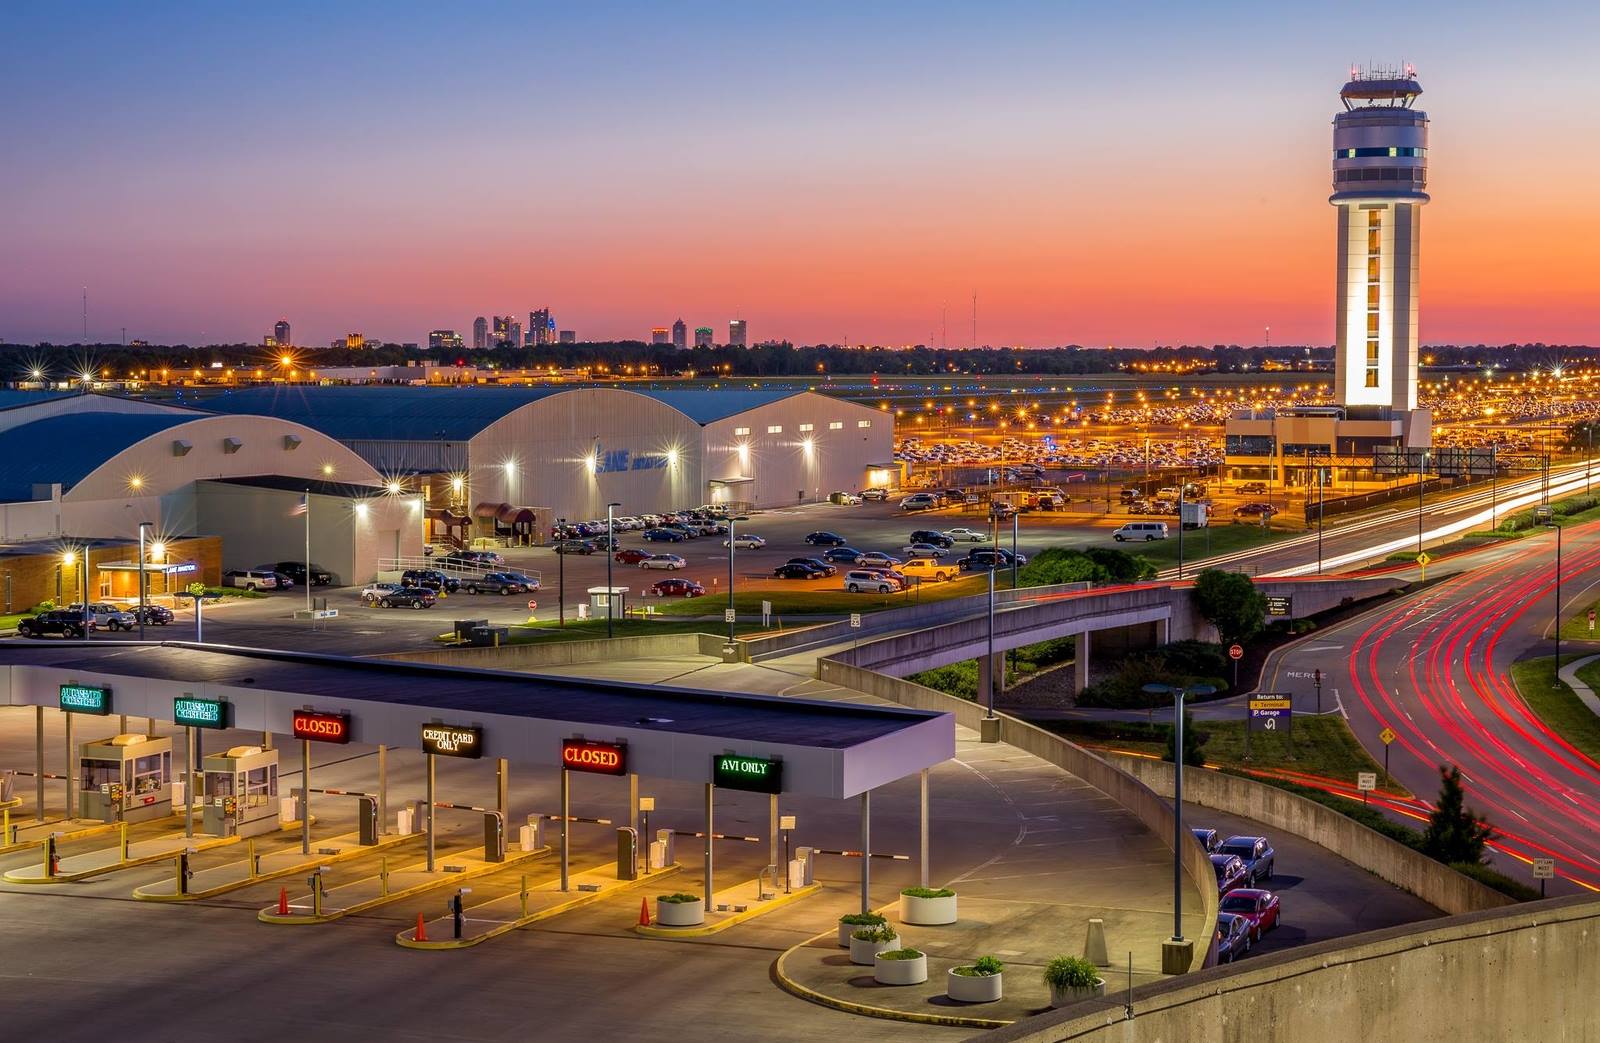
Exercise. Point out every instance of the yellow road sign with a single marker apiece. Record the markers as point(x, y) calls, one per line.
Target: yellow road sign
point(1423, 559)
point(1387, 735)
point(1271, 704)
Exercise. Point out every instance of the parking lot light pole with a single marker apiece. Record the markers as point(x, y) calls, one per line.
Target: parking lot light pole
point(733, 529)
point(611, 550)
point(1178, 693)
point(1547, 517)
point(561, 575)
point(142, 526)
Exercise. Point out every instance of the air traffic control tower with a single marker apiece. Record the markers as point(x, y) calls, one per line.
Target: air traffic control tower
point(1380, 174)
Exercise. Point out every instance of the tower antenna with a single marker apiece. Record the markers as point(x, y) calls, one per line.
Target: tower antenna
point(974, 318)
point(86, 314)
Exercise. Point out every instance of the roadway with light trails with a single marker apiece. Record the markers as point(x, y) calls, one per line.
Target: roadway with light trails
point(1435, 667)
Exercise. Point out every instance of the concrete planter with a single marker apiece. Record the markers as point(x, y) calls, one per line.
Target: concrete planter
point(1066, 995)
point(680, 914)
point(865, 953)
point(900, 972)
point(846, 930)
point(978, 988)
point(927, 911)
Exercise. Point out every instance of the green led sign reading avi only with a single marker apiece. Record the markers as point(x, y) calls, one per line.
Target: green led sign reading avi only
point(757, 774)
point(83, 698)
point(200, 713)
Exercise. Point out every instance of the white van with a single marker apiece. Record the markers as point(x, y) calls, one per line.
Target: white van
point(1141, 530)
point(857, 580)
point(919, 502)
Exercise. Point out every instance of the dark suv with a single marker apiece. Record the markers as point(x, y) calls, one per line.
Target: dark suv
point(408, 597)
point(493, 583)
point(296, 570)
point(938, 539)
point(989, 558)
point(56, 621)
point(430, 579)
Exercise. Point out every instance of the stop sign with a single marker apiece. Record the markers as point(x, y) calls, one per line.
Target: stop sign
point(1235, 651)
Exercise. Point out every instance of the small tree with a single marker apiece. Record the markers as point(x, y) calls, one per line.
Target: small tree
point(1455, 833)
point(1230, 602)
point(1193, 739)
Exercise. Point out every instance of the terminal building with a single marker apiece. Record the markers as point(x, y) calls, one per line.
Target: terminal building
point(1380, 164)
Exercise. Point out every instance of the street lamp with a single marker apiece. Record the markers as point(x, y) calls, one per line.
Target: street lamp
point(561, 575)
point(1178, 692)
point(73, 557)
point(1422, 475)
point(1546, 517)
point(733, 524)
point(142, 526)
point(611, 546)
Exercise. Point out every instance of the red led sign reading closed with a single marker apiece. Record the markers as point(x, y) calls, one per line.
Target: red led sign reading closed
point(605, 758)
point(321, 727)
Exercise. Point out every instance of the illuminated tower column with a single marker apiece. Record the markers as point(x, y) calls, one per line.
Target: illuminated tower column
point(1380, 160)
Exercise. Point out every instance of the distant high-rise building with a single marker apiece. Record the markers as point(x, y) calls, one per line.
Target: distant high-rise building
point(445, 340)
point(659, 335)
point(480, 333)
point(569, 336)
point(269, 341)
point(541, 327)
point(513, 332)
point(704, 337)
point(355, 340)
point(680, 334)
point(281, 334)
point(738, 333)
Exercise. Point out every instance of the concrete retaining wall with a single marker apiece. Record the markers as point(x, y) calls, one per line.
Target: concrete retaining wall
point(567, 653)
point(1501, 976)
point(1433, 882)
point(1126, 790)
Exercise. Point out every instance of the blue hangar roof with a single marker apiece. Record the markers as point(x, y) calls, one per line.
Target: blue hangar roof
point(454, 414)
point(66, 448)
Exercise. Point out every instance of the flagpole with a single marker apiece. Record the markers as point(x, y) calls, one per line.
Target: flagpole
point(307, 512)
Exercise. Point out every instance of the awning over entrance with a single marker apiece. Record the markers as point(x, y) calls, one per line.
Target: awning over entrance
point(505, 514)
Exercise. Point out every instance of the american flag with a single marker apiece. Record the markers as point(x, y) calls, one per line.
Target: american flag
point(303, 506)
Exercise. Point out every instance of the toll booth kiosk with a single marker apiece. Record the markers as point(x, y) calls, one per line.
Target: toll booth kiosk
point(126, 778)
point(240, 790)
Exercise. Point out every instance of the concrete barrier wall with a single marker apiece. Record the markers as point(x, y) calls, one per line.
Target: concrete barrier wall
point(1433, 882)
point(1500, 976)
point(1125, 789)
point(567, 653)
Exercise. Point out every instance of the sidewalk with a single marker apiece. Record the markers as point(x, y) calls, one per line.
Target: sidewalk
point(1569, 674)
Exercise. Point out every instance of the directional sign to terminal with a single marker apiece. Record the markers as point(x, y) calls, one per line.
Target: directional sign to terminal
point(1544, 869)
point(1271, 712)
point(1387, 736)
point(1280, 605)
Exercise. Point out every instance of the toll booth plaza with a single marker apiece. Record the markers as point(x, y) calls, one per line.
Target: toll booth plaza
point(600, 737)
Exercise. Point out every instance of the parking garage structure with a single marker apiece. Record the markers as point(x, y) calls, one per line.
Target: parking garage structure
point(779, 746)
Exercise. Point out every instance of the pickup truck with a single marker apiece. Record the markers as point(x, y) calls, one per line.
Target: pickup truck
point(928, 569)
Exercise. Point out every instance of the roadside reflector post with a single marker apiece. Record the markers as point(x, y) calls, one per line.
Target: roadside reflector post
point(180, 883)
point(122, 841)
point(866, 851)
point(383, 876)
point(316, 892)
point(711, 799)
point(431, 815)
point(524, 896)
point(50, 864)
point(255, 859)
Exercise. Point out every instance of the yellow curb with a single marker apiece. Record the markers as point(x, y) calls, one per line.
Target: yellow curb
point(354, 851)
point(407, 942)
point(755, 909)
point(794, 988)
point(115, 867)
point(76, 834)
point(270, 915)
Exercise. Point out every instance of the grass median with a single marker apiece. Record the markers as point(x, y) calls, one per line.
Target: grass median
point(1556, 704)
point(1209, 542)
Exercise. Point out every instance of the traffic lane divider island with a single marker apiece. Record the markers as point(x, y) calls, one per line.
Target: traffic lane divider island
point(742, 904)
point(106, 860)
point(529, 905)
point(388, 886)
point(66, 830)
point(255, 869)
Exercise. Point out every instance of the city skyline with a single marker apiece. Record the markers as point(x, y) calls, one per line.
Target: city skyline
point(853, 187)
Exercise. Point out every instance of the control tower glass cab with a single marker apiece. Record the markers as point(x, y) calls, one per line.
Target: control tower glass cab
point(1380, 176)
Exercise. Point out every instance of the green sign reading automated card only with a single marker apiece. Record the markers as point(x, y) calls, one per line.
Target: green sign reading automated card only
point(83, 698)
point(200, 713)
point(757, 774)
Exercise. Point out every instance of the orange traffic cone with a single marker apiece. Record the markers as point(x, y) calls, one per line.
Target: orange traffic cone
point(283, 901)
point(644, 912)
point(421, 934)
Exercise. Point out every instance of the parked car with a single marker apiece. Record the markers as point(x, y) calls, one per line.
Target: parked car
point(430, 579)
point(875, 493)
point(1233, 937)
point(1230, 871)
point(285, 582)
point(923, 550)
point(56, 621)
point(153, 615)
point(676, 588)
point(492, 583)
point(296, 570)
point(965, 535)
point(249, 579)
point(747, 541)
point(1261, 908)
point(858, 580)
point(1256, 854)
point(1209, 838)
point(928, 568)
point(1140, 531)
point(408, 597)
point(846, 499)
point(876, 557)
point(662, 534)
point(989, 557)
point(527, 582)
point(919, 502)
point(106, 616)
point(841, 555)
point(477, 559)
point(630, 556)
point(826, 539)
point(797, 570)
point(663, 561)
point(373, 591)
point(1251, 488)
point(934, 537)
point(1255, 510)
point(1002, 509)
point(575, 547)
point(816, 563)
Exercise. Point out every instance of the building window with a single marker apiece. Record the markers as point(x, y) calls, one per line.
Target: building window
point(863, 423)
point(1374, 291)
point(774, 429)
point(808, 427)
point(836, 425)
point(741, 431)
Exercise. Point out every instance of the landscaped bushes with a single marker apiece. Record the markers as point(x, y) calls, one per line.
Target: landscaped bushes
point(1180, 663)
point(1095, 565)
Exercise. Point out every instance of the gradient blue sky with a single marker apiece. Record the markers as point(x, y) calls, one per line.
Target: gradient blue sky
point(1125, 174)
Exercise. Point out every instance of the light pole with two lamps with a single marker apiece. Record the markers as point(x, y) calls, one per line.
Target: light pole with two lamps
point(1176, 953)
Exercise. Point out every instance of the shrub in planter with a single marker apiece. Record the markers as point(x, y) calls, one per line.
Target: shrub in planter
point(927, 905)
point(978, 982)
point(680, 910)
point(850, 922)
point(1072, 978)
point(900, 967)
point(867, 942)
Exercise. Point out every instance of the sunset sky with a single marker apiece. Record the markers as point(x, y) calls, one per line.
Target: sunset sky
point(1098, 173)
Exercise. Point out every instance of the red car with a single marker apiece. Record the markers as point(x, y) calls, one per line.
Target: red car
point(676, 588)
point(630, 556)
point(1259, 907)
